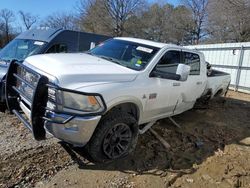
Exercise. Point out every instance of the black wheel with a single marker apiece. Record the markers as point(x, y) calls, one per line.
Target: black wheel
point(115, 137)
point(117, 140)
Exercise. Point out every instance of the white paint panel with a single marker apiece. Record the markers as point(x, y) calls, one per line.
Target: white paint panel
point(245, 78)
point(223, 57)
point(246, 58)
point(232, 72)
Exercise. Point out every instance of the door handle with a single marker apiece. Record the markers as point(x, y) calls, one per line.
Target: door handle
point(198, 83)
point(176, 84)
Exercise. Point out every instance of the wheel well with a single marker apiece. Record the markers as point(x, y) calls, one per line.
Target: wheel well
point(218, 93)
point(129, 108)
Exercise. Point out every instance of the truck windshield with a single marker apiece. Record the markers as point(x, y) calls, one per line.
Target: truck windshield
point(19, 49)
point(128, 54)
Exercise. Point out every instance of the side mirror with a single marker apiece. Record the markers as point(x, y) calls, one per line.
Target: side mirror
point(183, 70)
point(161, 74)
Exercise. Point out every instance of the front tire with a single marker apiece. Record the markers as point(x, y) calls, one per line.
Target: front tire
point(115, 137)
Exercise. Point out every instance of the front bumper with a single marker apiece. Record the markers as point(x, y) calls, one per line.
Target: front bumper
point(30, 106)
point(74, 130)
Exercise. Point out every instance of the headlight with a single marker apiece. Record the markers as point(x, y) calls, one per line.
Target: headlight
point(66, 101)
point(28, 76)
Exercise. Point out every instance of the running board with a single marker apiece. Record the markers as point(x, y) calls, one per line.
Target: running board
point(146, 127)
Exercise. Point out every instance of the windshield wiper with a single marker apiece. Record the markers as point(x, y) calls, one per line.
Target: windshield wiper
point(111, 59)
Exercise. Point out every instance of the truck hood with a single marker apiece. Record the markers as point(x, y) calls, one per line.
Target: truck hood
point(78, 70)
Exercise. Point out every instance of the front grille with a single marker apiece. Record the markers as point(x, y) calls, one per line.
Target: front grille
point(29, 87)
point(26, 83)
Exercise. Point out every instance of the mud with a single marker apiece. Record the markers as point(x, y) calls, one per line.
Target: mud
point(211, 149)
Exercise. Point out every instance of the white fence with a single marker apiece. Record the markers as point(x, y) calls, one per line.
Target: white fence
point(233, 58)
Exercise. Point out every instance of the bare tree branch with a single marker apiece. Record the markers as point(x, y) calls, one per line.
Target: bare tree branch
point(199, 10)
point(7, 17)
point(27, 19)
point(61, 20)
point(119, 11)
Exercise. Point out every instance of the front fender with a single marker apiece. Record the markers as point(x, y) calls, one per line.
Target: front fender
point(126, 99)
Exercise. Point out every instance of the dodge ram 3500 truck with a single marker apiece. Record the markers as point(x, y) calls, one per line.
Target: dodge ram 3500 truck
point(104, 98)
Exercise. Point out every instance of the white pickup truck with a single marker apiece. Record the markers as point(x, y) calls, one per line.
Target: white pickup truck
point(104, 98)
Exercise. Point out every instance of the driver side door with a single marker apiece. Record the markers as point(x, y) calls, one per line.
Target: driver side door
point(163, 94)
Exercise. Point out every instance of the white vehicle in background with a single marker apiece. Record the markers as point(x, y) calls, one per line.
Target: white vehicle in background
point(104, 98)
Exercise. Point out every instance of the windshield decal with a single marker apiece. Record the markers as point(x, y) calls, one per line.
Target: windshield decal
point(144, 49)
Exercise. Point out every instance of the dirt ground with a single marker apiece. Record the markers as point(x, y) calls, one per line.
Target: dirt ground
point(211, 149)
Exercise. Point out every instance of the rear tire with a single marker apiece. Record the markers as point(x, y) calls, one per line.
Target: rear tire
point(115, 137)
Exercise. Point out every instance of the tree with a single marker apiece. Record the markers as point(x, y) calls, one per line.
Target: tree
point(63, 20)
point(163, 23)
point(199, 12)
point(229, 21)
point(107, 16)
point(157, 20)
point(120, 11)
point(1, 34)
point(93, 17)
point(28, 19)
point(182, 25)
point(6, 17)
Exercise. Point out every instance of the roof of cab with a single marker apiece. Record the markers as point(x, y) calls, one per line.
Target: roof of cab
point(45, 35)
point(147, 42)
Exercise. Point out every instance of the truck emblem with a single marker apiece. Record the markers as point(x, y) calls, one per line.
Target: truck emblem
point(144, 96)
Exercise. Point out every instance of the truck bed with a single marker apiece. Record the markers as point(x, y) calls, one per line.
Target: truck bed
point(217, 83)
point(217, 73)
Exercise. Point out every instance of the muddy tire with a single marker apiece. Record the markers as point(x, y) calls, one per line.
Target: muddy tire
point(115, 137)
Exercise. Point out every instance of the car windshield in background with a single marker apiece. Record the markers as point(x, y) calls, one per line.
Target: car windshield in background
point(128, 54)
point(19, 49)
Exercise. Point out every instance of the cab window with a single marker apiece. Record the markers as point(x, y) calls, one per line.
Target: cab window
point(58, 48)
point(193, 60)
point(169, 62)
